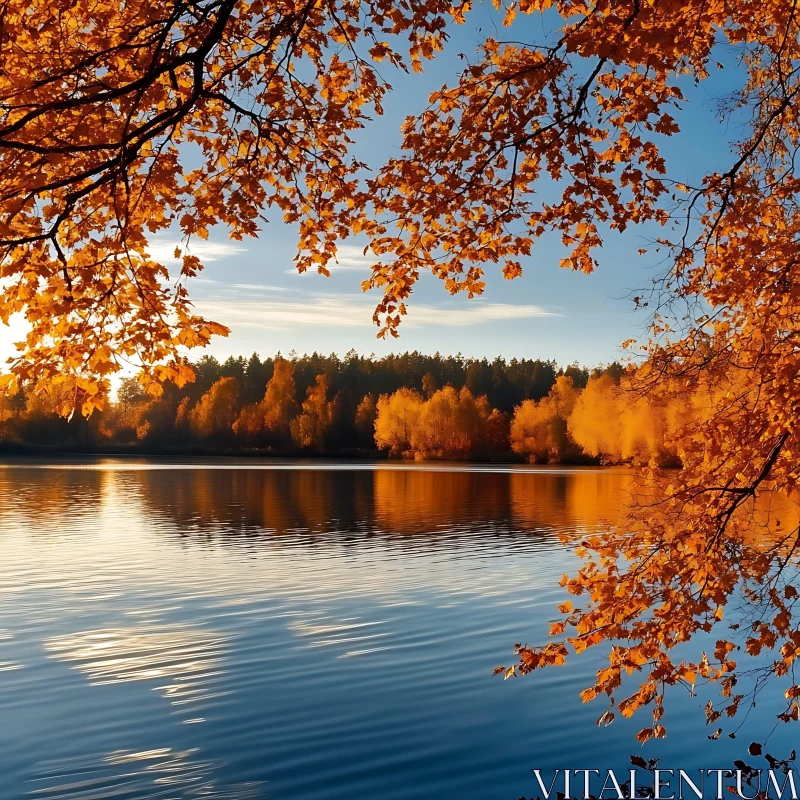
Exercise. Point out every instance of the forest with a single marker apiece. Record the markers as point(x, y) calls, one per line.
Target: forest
point(401, 406)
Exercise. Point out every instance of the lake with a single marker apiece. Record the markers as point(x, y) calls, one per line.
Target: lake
point(295, 631)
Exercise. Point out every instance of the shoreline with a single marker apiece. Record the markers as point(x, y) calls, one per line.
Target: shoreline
point(135, 451)
point(228, 456)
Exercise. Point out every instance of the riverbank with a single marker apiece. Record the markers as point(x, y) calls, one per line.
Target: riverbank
point(143, 450)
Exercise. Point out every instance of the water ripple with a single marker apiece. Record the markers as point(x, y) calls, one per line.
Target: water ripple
point(145, 775)
point(192, 657)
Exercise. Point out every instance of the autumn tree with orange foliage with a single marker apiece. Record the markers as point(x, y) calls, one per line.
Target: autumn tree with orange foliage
point(616, 424)
point(452, 424)
point(539, 429)
point(397, 417)
point(215, 412)
point(103, 105)
point(269, 421)
point(311, 425)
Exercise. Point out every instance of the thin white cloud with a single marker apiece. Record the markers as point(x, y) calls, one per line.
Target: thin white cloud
point(259, 287)
point(472, 312)
point(163, 250)
point(346, 312)
point(349, 257)
point(271, 314)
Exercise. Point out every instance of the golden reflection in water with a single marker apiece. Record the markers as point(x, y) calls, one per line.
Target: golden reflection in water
point(411, 500)
point(276, 501)
point(395, 500)
point(125, 539)
point(334, 531)
point(141, 549)
point(133, 775)
point(774, 516)
point(76, 492)
point(578, 498)
point(291, 500)
point(189, 658)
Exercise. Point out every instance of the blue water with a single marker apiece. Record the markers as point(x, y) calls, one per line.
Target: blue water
point(294, 631)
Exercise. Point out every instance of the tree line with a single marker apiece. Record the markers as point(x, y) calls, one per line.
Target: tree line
point(409, 405)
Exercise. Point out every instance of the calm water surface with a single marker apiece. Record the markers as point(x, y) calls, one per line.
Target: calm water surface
point(300, 631)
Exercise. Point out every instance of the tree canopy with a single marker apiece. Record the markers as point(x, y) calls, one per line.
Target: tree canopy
point(120, 120)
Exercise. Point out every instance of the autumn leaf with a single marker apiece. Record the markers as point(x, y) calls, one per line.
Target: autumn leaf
point(606, 719)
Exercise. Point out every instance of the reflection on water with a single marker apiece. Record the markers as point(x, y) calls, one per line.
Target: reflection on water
point(135, 776)
point(351, 632)
point(296, 632)
point(6, 666)
point(191, 659)
point(292, 500)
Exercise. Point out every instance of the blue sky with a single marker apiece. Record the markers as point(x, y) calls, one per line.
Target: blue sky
point(547, 313)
